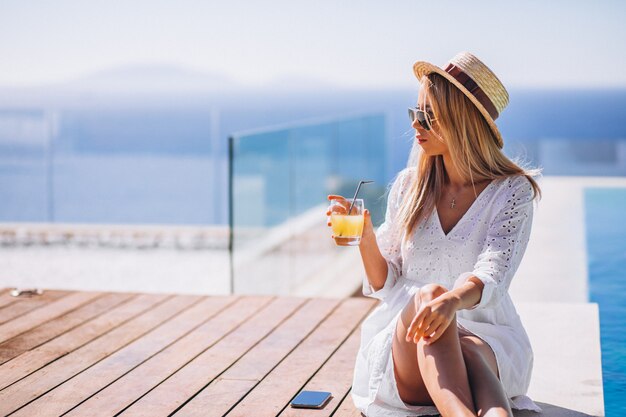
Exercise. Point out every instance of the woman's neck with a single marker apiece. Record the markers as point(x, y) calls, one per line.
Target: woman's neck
point(455, 181)
point(454, 178)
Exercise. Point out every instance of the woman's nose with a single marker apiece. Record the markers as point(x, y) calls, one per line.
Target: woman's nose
point(417, 126)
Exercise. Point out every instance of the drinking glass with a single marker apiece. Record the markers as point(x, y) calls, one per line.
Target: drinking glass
point(347, 227)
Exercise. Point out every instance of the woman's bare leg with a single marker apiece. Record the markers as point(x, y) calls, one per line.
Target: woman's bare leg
point(431, 374)
point(482, 369)
point(409, 380)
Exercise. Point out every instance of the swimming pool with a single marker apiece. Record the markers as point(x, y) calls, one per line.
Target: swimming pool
point(606, 247)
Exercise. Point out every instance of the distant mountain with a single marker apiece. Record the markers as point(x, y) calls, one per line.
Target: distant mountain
point(154, 82)
point(150, 78)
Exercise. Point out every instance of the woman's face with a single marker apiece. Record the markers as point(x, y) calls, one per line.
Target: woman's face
point(428, 139)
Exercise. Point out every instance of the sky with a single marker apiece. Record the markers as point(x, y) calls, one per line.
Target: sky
point(354, 44)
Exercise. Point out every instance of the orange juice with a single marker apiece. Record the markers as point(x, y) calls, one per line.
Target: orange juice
point(347, 229)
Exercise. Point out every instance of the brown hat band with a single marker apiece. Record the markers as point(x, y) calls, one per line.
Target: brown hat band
point(467, 82)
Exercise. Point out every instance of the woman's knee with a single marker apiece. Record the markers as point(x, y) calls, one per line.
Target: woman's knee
point(425, 294)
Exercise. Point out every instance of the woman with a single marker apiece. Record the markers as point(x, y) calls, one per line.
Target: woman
point(446, 337)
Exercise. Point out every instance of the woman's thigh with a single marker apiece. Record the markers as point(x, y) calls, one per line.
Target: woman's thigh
point(477, 353)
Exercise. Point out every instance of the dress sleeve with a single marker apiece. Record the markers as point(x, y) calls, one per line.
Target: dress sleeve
point(505, 245)
point(389, 237)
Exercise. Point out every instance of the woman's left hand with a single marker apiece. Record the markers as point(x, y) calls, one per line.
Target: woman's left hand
point(432, 319)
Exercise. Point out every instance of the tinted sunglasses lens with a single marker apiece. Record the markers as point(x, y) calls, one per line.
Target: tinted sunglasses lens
point(420, 116)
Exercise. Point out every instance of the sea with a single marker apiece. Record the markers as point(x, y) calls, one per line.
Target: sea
point(163, 159)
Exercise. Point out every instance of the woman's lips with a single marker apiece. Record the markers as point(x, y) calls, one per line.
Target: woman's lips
point(420, 140)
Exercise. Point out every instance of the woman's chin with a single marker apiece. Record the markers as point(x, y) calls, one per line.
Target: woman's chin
point(429, 152)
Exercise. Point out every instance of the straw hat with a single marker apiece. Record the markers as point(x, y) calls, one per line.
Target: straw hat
point(470, 75)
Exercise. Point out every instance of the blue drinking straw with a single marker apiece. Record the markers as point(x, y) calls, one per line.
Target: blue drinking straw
point(355, 194)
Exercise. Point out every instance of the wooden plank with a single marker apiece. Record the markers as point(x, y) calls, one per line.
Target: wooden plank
point(48, 331)
point(233, 384)
point(335, 376)
point(66, 396)
point(5, 297)
point(347, 408)
point(286, 380)
point(35, 359)
point(142, 379)
point(45, 313)
point(36, 384)
point(24, 305)
point(184, 384)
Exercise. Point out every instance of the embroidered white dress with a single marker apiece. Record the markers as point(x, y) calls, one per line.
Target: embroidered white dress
point(488, 242)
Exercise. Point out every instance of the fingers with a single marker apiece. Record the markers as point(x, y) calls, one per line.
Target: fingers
point(342, 202)
point(411, 331)
point(423, 327)
point(432, 327)
point(338, 209)
point(366, 218)
point(334, 210)
point(437, 333)
point(427, 326)
point(336, 197)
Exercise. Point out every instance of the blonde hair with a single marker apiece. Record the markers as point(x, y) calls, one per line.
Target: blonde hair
point(473, 150)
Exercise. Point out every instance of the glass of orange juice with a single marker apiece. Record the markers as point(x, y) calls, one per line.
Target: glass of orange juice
point(347, 227)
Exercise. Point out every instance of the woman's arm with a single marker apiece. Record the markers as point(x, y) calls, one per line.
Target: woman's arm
point(380, 250)
point(467, 295)
point(375, 265)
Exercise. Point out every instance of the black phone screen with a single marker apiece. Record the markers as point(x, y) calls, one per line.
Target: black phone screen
point(311, 399)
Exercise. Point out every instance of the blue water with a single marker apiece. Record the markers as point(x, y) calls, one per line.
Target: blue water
point(606, 245)
point(164, 159)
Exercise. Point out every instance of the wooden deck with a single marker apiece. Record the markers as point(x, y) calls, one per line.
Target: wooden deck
point(100, 354)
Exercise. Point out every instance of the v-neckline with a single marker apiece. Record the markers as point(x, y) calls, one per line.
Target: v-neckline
point(438, 220)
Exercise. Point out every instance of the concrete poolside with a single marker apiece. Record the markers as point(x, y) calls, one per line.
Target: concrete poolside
point(554, 268)
point(550, 290)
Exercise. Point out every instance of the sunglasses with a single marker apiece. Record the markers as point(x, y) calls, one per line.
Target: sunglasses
point(425, 119)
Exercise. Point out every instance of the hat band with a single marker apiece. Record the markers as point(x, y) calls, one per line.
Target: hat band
point(467, 82)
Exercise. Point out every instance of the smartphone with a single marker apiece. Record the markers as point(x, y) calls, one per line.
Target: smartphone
point(311, 399)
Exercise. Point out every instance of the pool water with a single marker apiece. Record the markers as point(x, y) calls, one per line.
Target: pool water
point(606, 247)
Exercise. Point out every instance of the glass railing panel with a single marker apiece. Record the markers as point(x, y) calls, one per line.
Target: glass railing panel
point(26, 186)
point(113, 199)
point(279, 182)
point(136, 166)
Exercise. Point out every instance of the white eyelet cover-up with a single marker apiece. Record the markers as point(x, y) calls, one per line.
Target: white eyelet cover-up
point(488, 242)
